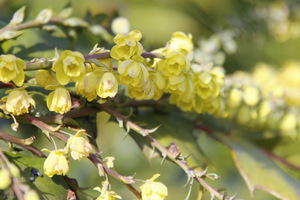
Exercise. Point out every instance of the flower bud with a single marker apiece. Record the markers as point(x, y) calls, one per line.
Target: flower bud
point(5, 179)
point(87, 87)
point(288, 123)
point(107, 86)
point(59, 100)
point(251, 95)
point(14, 170)
point(31, 195)
point(44, 78)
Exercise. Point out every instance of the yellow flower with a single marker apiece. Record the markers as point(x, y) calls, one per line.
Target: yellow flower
point(11, 69)
point(181, 42)
point(174, 64)
point(159, 84)
point(59, 100)
point(142, 92)
point(69, 66)
point(205, 86)
point(14, 170)
point(183, 95)
point(79, 147)
point(87, 87)
point(251, 95)
point(31, 195)
point(234, 98)
point(5, 179)
point(127, 45)
point(56, 163)
point(45, 78)
point(288, 123)
point(107, 195)
point(18, 101)
point(133, 71)
point(107, 86)
point(152, 190)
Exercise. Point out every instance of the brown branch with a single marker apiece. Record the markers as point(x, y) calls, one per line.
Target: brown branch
point(268, 153)
point(114, 174)
point(15, 186)
point(43, 126)
point(190, 172)
point(6, 85)
point(107, 55)
point(21, 142)
point(281, 160)
point(58, 119)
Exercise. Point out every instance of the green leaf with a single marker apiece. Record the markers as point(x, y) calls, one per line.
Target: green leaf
point(108, 132)
point(174, 129)
point(260, 172)
point(48, 188)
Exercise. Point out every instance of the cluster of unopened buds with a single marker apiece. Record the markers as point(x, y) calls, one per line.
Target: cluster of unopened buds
point(267, 99)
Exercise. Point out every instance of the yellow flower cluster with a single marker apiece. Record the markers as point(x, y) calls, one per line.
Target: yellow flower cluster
point(266, 99)
point(135, 71)
point(91, 80)
point(57, 163)
point(192, 86)
point(285, 27)
point(17, 102)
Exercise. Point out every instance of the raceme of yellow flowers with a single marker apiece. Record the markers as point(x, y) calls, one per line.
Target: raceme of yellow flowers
point(193, 86)
point(267, 99)
point(264, 99)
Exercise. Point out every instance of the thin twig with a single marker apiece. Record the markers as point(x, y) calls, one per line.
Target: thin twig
point(163, 150)
point(282, 160)
point(21, 142)
point(15, 186)
point(119, 177)
point(44, 127)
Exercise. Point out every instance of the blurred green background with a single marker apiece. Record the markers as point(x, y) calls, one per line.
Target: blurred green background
point(157, 20)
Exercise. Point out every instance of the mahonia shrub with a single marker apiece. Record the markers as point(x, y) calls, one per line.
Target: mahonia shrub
point(176, 102)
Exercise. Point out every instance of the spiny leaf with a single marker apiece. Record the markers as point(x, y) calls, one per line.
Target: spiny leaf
point(260, 172)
